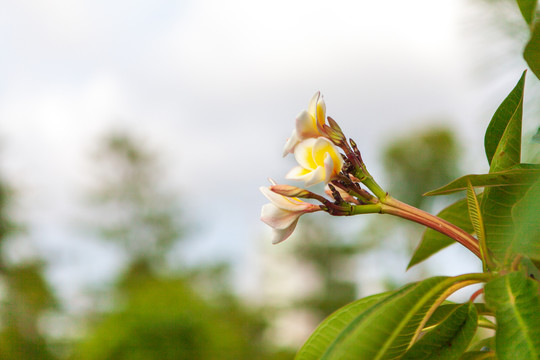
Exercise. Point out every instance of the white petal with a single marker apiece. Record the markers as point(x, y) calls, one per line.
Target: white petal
point(321, 111)
point(291, 143)
point(315, 177)
point(328, 168)
point(278, 218)
point(312, 107)
point(324, 146)
point(303, 153)
point(297, 173)
point(306, 126)
point(282, 235)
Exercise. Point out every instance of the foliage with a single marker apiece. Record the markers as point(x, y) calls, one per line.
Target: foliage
point(133, 208)
point(416, 321)
point(163, 318)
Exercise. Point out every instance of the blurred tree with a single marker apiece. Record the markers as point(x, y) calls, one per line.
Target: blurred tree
point(325, 251)
point(163, 318)
point(420, 162)
point(134, 210)
point(25, 295)
point(189, 314)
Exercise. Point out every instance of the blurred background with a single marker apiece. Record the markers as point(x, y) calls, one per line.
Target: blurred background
point(134, 136)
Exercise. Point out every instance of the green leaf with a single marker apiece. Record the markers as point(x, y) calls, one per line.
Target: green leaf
point(386, 329)
point(531, 54)
point(521, 174)
point(503, 135)
point(514, 298)
point(479, 355)
point(331, 327)
point(497, 202)
point(440, 314)
point(448, 340)
point(536, 137)
point(526, 215)
point(484, 344)
point(528, 9)
point(433, 241)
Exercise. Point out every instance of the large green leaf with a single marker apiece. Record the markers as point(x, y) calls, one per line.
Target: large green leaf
point(484, 344)
point(331, 327)
point(448, 340)
point(503, 135)
point(514, 298)
point(440, 314)
point(433, 241)
point(386, 329)
point(526, 216)
point(531, 54)
point(521, 174)
point(528, 9)
point(497, 202)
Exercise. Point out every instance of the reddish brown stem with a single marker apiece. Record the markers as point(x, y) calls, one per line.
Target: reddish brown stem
point(397, 208)
point(476, 294)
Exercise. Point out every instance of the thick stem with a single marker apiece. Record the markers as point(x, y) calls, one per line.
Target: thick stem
point(397, 208)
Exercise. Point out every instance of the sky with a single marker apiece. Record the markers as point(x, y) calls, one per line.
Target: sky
point(215, 87)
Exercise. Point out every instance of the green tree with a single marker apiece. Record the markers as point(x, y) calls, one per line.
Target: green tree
point(158, 313)
point(25, 295)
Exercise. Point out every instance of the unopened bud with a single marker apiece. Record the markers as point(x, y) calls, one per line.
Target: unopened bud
point(290, 191)
point(334, 136)
point(334, 125)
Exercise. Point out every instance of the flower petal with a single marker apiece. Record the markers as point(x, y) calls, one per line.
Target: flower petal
point(324, 146)
point(291, 143)
point(321, 111)
point(278, 218)
point(297, 173)
point(328, 167)
point(283, 202)
point(315, 177)
point(312, 107)
point(283, 234)
point(306, 125)
point(303, 153)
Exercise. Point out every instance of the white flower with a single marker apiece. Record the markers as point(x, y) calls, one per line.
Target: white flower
point(283, 212)
point(306, 123)
point(319, 161)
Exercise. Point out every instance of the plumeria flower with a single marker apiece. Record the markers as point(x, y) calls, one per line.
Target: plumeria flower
point(282, 213)
point(306, 123)
point(319, 161)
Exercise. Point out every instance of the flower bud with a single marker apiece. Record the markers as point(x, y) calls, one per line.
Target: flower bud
point(290, 191)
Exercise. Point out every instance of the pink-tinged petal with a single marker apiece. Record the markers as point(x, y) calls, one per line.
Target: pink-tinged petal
point(315, 177)
point(306, 126)
point(283, 202)
point(328, 167)
point(282, 235)
point(291, 143)
point(278, 218)
point(303, 153)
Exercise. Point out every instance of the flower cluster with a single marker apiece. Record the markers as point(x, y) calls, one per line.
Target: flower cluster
point(323, 156)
